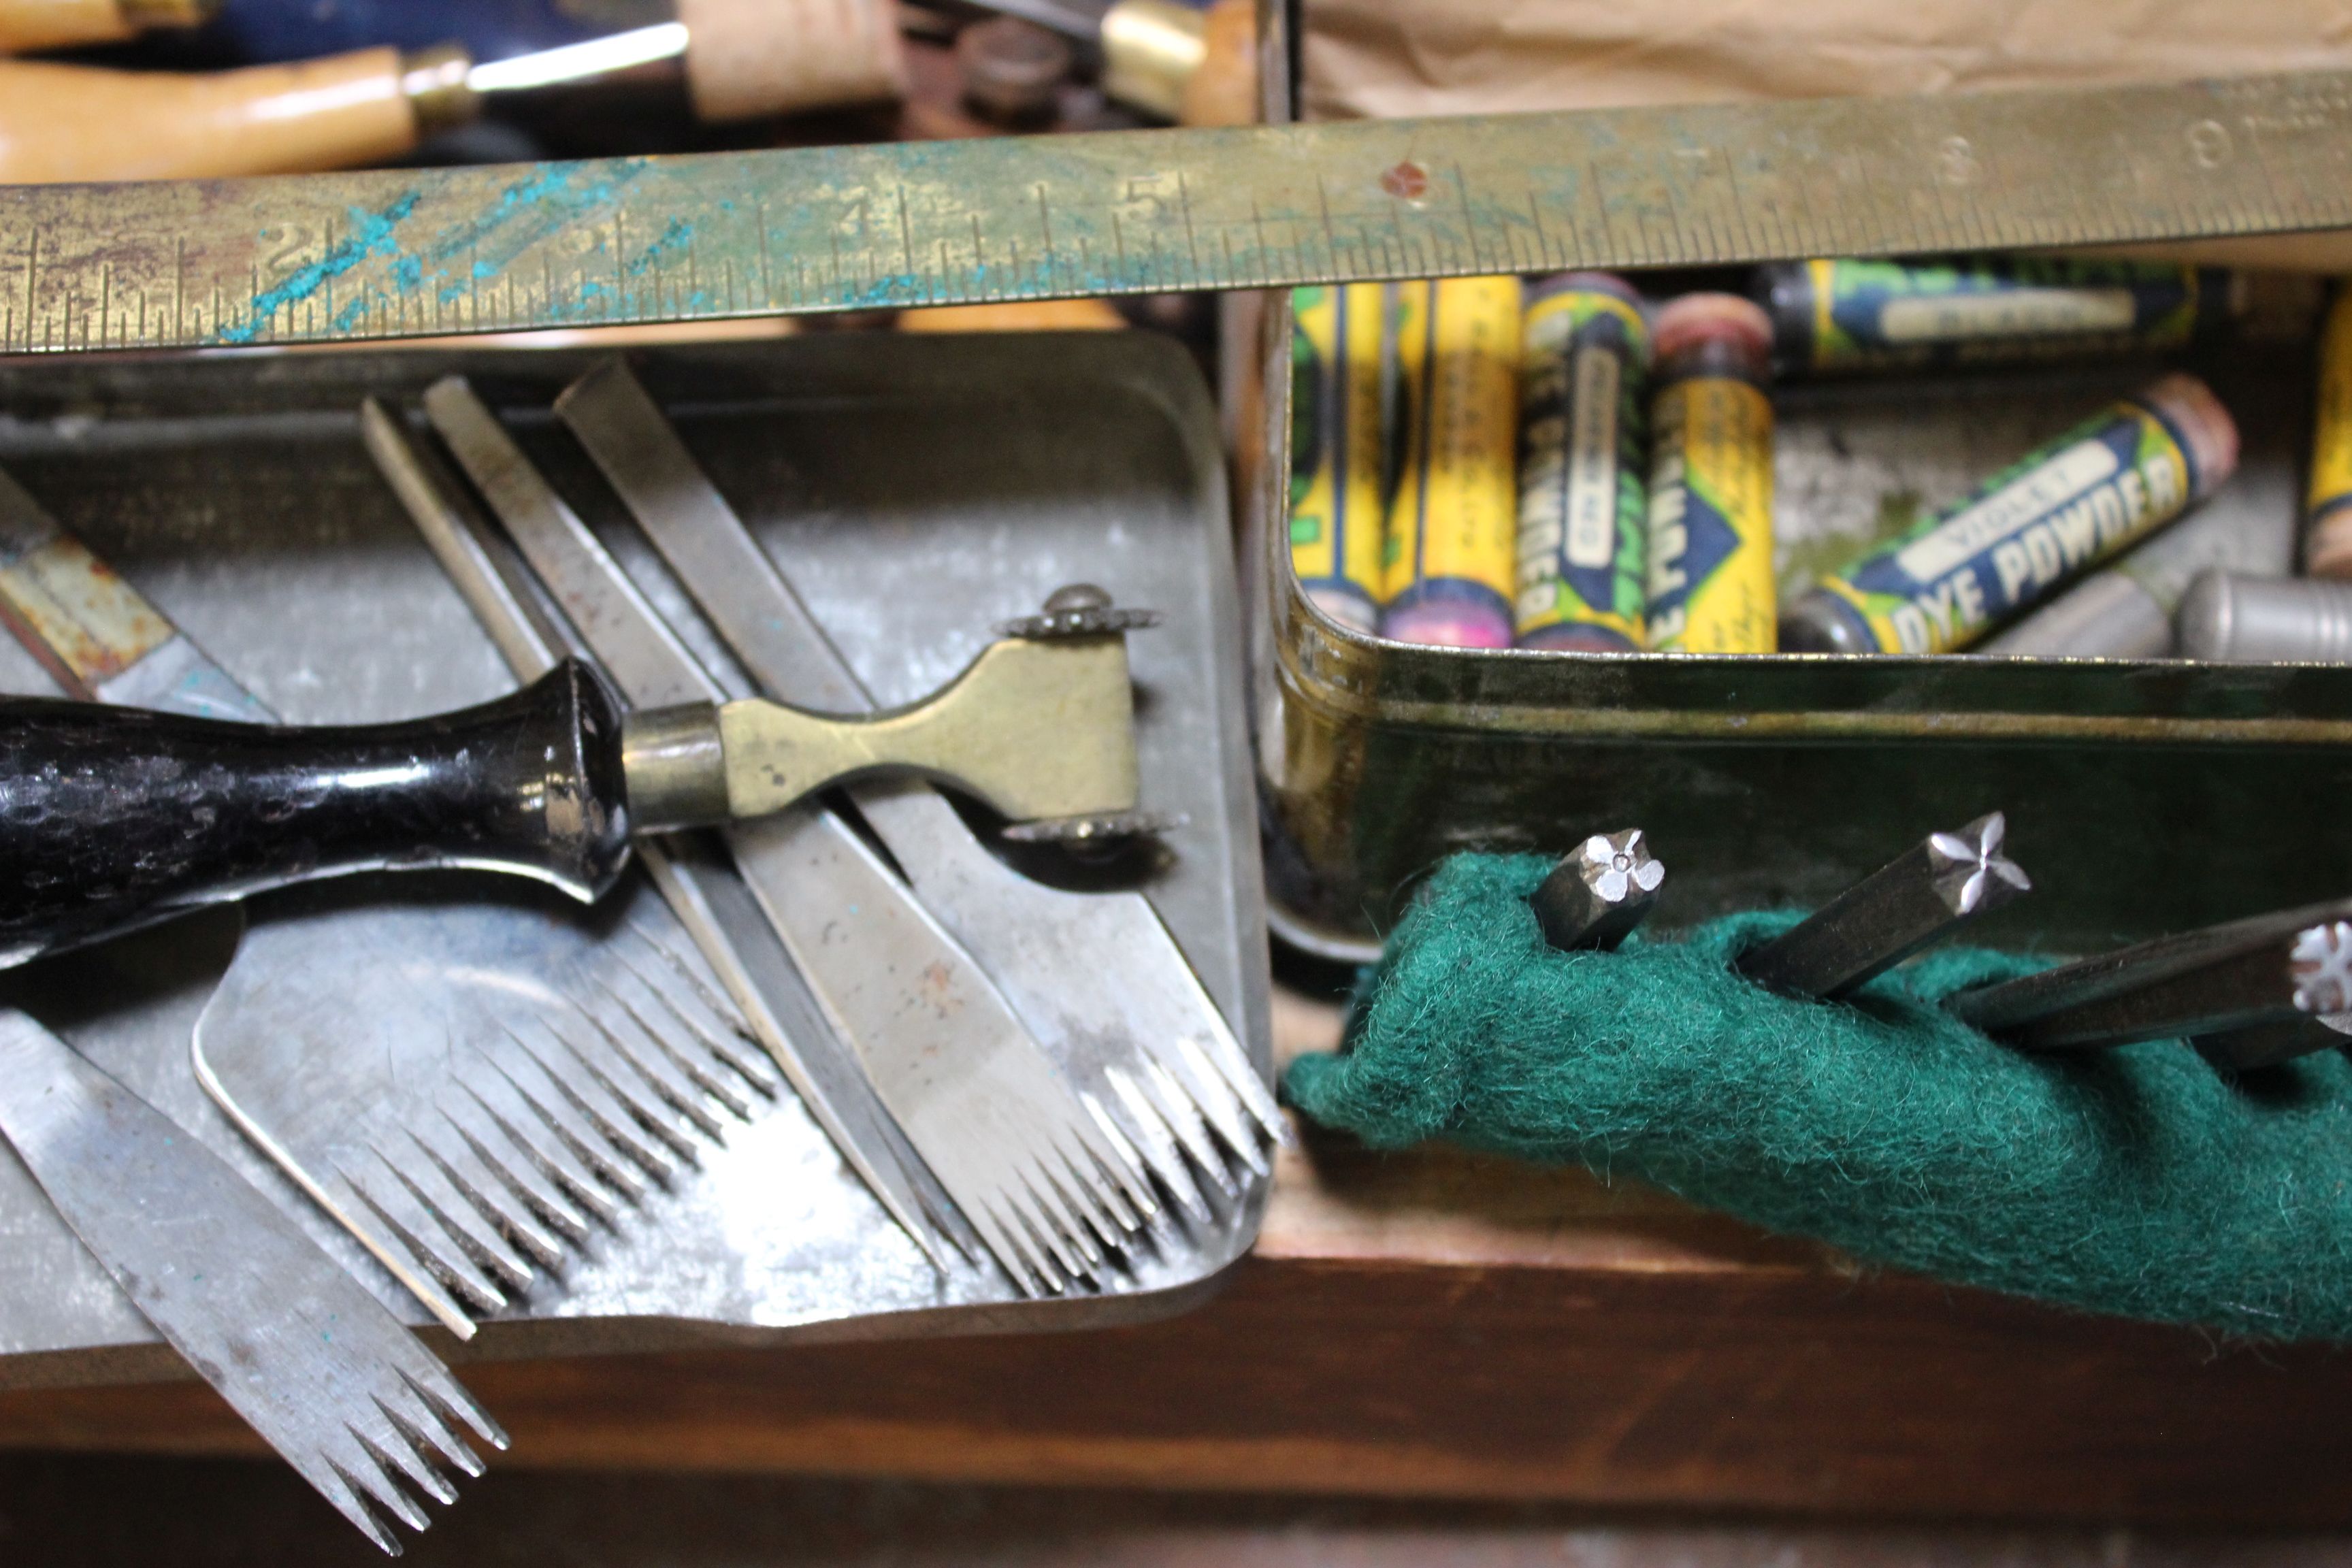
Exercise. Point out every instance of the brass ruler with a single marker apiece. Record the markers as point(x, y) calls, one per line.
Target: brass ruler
point(409, 252)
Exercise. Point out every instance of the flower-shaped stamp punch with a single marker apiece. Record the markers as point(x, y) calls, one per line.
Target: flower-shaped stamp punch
point(1965, 869)
point(2322, 958)
point(1597, 895)
point(1909, 904)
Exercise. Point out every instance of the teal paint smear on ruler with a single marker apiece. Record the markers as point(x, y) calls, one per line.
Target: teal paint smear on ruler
point(372, 235)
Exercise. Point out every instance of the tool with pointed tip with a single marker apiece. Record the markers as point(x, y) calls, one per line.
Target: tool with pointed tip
point(487, 1075)
point(299, 1348)
point(1595, 898)
point(1095, 976)
point(2290, 967)
point(496, 1077)
point(700, 881)
point(112, 818)
point(1047, 1186)
point(1897, 910)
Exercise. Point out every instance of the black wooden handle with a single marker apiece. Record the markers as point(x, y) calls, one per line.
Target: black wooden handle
point(113, 818)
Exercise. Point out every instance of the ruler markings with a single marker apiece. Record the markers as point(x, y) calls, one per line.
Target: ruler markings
point(1230, 208)
point(1045, 237)
point(2289, 208)
point(1323, 209)
point(1191, 237)
point(1469, 218)
point(32, 284)
point(906, 236)
point(767, 265)
point(1543, 239)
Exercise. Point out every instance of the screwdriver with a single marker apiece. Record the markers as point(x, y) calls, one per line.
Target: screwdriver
point(29, 25)
point(71, 122)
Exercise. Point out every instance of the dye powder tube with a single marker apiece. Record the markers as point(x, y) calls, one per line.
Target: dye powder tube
point(1834, 316)
point(1709, 571)
point(2328, 513)
point(2027, 531)
point(1583, 496)
point(1453, 523)
point(1338, 453)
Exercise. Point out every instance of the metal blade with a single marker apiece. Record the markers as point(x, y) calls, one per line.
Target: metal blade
point(945, 1052)
point(702, 886)
point(450, 1200)
point(1095, 976)
point(344, 1072)
point(297, 1347)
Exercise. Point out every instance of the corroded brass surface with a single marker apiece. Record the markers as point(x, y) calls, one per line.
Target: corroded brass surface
point(1032, 729)
point(414, 251)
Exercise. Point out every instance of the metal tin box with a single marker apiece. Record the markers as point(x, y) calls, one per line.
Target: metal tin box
point(2142, 797)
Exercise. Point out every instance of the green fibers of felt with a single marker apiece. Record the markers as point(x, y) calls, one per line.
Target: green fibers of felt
point(2137, 1180)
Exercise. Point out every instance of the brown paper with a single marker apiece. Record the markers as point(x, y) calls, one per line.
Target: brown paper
point(1397, 57)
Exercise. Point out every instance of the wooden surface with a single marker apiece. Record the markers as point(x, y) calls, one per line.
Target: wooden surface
point(112, 1512)
point(1441, 1325)
point(109, 1511)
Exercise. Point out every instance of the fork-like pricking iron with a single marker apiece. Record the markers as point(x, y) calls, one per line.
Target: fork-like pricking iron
point(507, 1076)
point(1095, 976)
point(1048, 1186)
point(300, 1349)
point(697, 879)
point(583, 1065)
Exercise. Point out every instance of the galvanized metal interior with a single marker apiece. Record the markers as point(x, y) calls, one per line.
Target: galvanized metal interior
point(916, 491)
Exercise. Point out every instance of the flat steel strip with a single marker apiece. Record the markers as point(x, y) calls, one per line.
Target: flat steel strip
point(401, 253)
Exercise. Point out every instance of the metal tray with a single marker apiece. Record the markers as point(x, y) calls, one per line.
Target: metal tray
point(2143, 796)
point(916, 491)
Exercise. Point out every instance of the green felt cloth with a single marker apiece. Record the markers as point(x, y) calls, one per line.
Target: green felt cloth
point(2137, 1180)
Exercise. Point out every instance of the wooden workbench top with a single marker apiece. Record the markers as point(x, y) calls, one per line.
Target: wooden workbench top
point(1442, 1324)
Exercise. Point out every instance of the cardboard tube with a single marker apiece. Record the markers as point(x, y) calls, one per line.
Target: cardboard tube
point(29, 25)
point(64, 122)
point(755, 58)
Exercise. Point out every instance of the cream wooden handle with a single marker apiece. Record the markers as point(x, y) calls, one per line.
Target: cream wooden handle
point(77, 122)
point(29, 25)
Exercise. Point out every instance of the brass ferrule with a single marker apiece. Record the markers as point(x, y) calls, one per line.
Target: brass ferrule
point(433, 82)
point(1151, 50)
point(674, 766)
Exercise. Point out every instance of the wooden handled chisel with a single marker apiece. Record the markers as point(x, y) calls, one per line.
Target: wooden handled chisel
point(110, 818)
point(29, 25)
point(62, 121)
